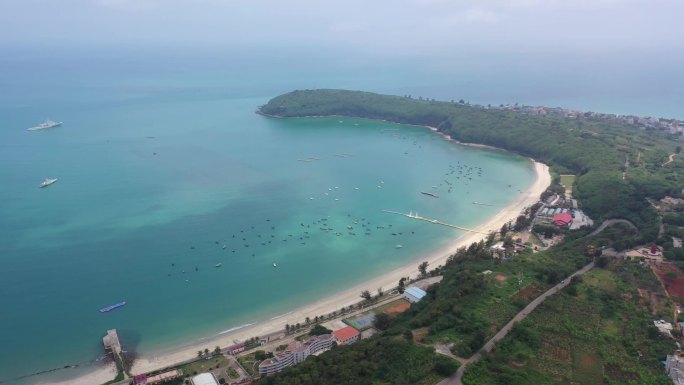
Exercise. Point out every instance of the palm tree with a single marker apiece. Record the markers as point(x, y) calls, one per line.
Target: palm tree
point(206, 352)
point(308, 320)
point(200, 353)
point(217, 351)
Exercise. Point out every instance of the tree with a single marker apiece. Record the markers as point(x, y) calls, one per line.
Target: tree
point(504, 230)
point(287, 328)
point(380, 293)
point(307, 320)
point(319, 330)
point(401, 285)
point(366, 295)
point(217, 350)
point(382, 321)
point(206, 352)
point(423, 268)
point(200, 353)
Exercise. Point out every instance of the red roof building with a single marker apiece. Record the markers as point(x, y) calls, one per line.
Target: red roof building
point(562, 219)
point(347, 336)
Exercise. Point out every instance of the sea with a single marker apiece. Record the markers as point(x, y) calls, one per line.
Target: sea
point(165, 172)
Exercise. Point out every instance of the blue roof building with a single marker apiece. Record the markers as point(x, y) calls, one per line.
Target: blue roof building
point(414, 294)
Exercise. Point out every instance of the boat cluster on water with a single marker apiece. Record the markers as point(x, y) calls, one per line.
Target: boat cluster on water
point(43, 126)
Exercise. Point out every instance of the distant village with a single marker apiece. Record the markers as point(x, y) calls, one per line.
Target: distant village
point(672, 126)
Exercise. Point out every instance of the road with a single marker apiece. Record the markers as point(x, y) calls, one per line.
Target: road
point(610, 222)
point(457, 377)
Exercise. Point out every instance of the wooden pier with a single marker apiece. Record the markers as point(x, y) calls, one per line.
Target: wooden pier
point(434, 221)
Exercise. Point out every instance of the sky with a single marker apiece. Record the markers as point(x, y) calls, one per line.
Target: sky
point(383, 26)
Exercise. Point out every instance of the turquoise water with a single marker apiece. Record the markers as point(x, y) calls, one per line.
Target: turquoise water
point(162, 163)
point(151, 189)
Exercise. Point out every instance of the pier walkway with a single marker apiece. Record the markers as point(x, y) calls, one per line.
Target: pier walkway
point(434, 221)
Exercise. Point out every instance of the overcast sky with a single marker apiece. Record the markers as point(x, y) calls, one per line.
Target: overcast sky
point(379, 25)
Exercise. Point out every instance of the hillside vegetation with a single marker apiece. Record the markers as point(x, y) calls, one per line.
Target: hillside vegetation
point(618, 165)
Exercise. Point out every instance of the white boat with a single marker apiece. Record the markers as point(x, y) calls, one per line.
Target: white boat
point(274, 264)
point(219, 264)
point(398, 246)
point(46, 124)
point(48, 182)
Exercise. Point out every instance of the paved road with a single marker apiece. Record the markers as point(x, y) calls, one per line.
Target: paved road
point(456, 378)
point(610, 222)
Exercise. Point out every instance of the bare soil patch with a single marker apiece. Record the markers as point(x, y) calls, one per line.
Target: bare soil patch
point(397, 308)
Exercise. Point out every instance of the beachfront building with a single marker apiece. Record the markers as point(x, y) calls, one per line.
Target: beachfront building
point(414, 294)
point(674, 366)
point(295, 353)
point(346, 336)
point(142, 379)
point(205, 379)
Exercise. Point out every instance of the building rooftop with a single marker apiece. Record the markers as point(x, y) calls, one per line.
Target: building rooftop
point(562, 219)
point(416, 292)
point(346, 333)
point(204, 379)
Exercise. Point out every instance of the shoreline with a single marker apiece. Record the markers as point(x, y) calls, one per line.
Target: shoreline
point(172, 356)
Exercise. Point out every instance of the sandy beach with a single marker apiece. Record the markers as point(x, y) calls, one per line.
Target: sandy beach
point(147, 363)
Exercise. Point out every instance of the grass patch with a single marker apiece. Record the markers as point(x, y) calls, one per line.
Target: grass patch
point(568, 181)
point(204, 365)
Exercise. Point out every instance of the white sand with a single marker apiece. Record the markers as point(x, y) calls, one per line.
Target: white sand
point(350, 296)
point(99, 376)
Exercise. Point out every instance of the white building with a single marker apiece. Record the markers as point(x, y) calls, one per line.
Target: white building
point(414, 294)
point(665, 328)
point(295, 353)
point(674, 366)
point(205, 379)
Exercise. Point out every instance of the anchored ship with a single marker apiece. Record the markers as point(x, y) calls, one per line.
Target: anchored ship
point(47, 182)
point(46, 124)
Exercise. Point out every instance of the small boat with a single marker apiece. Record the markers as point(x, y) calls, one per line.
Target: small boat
point(112, 307)
point(274, 264)
point(398, 246)
point(218, 265)
point(47, 182)
point(429, 194)
point(46, 124)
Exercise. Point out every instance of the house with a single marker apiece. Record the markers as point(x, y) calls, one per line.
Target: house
point(665, 328)
point(164, 377)
point(414, 294)
point(562, 219)
point(346, 336)
point(498, 250)
point(205, 379)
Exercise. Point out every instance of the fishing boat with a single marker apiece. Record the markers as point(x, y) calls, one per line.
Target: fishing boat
point(46, 124)
point(112, 307)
